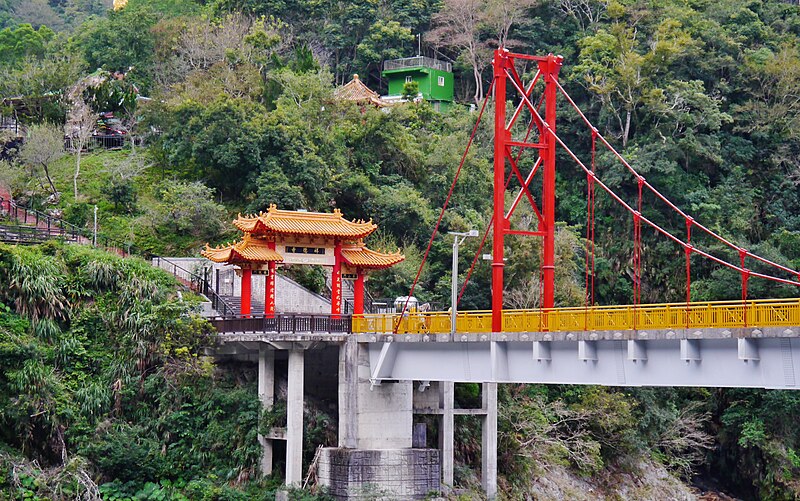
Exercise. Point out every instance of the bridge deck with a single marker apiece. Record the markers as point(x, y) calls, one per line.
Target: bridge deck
point(702, 344)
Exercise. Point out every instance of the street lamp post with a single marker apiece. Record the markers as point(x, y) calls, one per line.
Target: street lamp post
point(454, 288)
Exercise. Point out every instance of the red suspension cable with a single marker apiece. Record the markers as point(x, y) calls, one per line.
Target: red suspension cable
point(590, 208)
point(666, 200)
point(474, 261)
point(444, 207)
point(637, 247)
point(508, 181)
point(688, 251)
point(662, 231)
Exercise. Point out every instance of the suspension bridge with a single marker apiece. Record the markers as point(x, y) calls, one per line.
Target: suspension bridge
point(386, 363)
point(383, 357)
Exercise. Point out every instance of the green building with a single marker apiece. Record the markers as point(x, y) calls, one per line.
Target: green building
point(435, 80)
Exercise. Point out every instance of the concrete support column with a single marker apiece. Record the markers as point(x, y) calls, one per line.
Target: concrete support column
point(446, 430)
point(489, 441)
point(294, 419)
point(348, 394)
point(266, 394)
point(247, 276)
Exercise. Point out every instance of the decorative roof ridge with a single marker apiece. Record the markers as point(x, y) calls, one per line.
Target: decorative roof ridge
point(247, 239)
point(274, 211)
point(222, 246)
point(357, 91)
point(330, 224)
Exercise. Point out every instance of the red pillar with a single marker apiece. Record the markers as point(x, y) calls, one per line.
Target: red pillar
point(549, 69)
point(269, 293)
point(358, 293)
point(500, 137)
point(336, 280)
point(247, 276)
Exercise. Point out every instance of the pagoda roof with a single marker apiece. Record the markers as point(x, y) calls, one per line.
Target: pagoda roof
point(358, 255)
point(356, 90)
point(247, 250)
point(284, 222)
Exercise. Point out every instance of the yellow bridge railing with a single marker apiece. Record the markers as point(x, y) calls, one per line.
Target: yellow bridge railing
point(722, 314)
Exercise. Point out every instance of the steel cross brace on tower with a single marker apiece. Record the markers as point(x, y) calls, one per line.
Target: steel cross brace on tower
point(505, 72)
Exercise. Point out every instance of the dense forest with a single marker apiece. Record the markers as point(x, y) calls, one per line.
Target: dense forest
point(228, 106)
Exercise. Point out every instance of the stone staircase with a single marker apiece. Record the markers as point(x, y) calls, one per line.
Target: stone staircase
point(11, 232)
point(235, 302)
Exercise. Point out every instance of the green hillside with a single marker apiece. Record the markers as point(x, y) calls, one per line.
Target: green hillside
point(228, 106)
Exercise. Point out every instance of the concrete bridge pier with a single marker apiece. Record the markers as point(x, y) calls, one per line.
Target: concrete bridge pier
point(293, 433)
point(375, 456)
point(489, 440)
point(266, 394)
point(294, 419)
point(440, 401)
point(447, 430)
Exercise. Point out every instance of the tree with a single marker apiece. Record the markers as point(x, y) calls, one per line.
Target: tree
point(586, 12)
point(622, 75)
point(410, 91)
point(39, 83)
point(458, 25)
point(79, 129)
point(120, 188)
point(501, 15)
point(273, 187)
point(204, 43)
point(122, 42)
point(385, 40)
point(43, 147)
point(23, 41)
point(218, 142)
point(37, 12)
point(188, 209)
point(613, 70)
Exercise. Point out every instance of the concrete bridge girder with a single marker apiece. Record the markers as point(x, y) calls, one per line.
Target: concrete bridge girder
point(748, 362)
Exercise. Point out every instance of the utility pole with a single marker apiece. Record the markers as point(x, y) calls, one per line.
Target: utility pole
point(454, 281)
point(94, 232)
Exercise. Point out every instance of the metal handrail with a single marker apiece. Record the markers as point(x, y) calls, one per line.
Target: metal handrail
point(719, 314)
point(57, 227)
point(199, 284)
point(30, 235)
point(416, 62)
point(284, 323)
point(37, 218)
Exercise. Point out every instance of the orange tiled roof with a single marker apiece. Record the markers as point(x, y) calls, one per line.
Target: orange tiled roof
point(360, 256)
point(287, 222)
point(355, 90)
point(251, 250)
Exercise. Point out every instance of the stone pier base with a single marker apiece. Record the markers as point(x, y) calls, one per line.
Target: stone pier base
point(385, 473)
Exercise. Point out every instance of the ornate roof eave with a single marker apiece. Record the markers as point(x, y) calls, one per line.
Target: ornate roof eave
point(248, 250)
point(360, 256)
point(355, 90)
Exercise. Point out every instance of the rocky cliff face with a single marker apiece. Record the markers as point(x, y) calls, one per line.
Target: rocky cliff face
point(644, 481)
